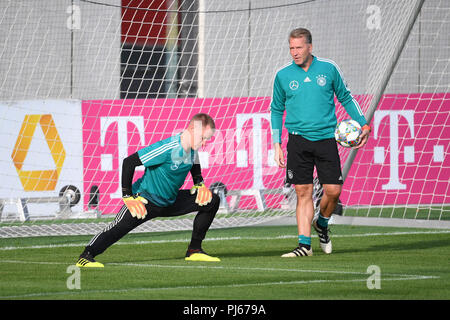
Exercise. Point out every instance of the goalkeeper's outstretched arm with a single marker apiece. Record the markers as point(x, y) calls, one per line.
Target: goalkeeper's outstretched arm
point(204, 195)
point(196, 173)
point(134, 203)
point(128, 167)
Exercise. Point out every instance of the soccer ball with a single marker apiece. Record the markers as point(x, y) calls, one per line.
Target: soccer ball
point(347, 133)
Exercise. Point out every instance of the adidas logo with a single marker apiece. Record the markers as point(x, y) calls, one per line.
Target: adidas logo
point(340, 178)
point(307, 79)
point(82, 262)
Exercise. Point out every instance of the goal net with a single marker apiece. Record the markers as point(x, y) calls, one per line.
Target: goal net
point(84, 84)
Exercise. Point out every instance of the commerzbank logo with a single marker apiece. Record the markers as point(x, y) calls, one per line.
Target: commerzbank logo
point(38, 180)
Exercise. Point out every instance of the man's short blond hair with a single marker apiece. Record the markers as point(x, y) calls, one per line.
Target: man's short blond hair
point(301, 33)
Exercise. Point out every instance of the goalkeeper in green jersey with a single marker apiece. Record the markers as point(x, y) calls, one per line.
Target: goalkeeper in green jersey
point(157, 193)
point(305, 90)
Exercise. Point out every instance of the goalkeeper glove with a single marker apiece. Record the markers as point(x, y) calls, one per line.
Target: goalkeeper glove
point(204, 195)
point(136, 206)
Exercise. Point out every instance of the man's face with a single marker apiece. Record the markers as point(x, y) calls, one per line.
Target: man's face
point(199, 135)
point(300, 50)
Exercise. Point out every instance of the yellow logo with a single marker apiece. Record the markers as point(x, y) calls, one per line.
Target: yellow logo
point(38, 180)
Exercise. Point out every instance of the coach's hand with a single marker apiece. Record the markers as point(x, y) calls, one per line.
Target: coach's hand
point(136, 206)
point(279, 156)
point(364, 136)
point(204, 195)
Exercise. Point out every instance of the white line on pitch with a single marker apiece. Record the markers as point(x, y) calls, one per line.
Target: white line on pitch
point(241, 285)
point(259, 269)
point(226, 268)
point(66, 245)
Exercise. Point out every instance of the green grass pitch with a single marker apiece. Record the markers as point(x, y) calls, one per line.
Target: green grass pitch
point(411, 264)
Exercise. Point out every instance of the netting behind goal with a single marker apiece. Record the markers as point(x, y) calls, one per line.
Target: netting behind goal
point(83, 84)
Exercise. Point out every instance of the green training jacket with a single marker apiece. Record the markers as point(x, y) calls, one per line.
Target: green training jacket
point(308, 99)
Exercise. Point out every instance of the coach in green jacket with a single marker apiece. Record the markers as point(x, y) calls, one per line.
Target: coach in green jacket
point(305, 89)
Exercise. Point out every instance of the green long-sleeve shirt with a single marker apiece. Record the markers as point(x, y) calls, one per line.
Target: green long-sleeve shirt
point(166, 167)
point(308, 98)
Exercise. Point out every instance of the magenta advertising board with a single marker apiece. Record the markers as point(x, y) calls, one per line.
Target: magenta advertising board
point(405, 161)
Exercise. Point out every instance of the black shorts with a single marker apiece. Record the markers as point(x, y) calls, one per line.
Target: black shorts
point(303, 155)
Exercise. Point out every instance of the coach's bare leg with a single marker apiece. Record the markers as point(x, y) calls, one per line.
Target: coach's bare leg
point(305, 208)
point(330, 198)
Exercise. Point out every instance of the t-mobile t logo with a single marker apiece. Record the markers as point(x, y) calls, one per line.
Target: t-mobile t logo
point(379, 152)
point(257, 135)
point(106, 160)
point(394, 116)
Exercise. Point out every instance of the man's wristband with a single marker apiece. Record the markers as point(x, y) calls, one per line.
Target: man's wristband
point(134, 196)
point(126, 192)
point(366, 127)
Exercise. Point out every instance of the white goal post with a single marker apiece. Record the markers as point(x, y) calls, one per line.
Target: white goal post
point(85, 83)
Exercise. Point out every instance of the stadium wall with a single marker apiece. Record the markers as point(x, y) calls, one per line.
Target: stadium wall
point(347, 42)
point(40, 60)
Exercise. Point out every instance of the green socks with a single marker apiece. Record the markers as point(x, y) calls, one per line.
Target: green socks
point(304, 241)
point(322, 221)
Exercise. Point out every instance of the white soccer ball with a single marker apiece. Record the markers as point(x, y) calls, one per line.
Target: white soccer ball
point(347, 133)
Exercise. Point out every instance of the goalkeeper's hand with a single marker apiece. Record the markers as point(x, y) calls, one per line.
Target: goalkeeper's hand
point(136, 206)
point(204, 195)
